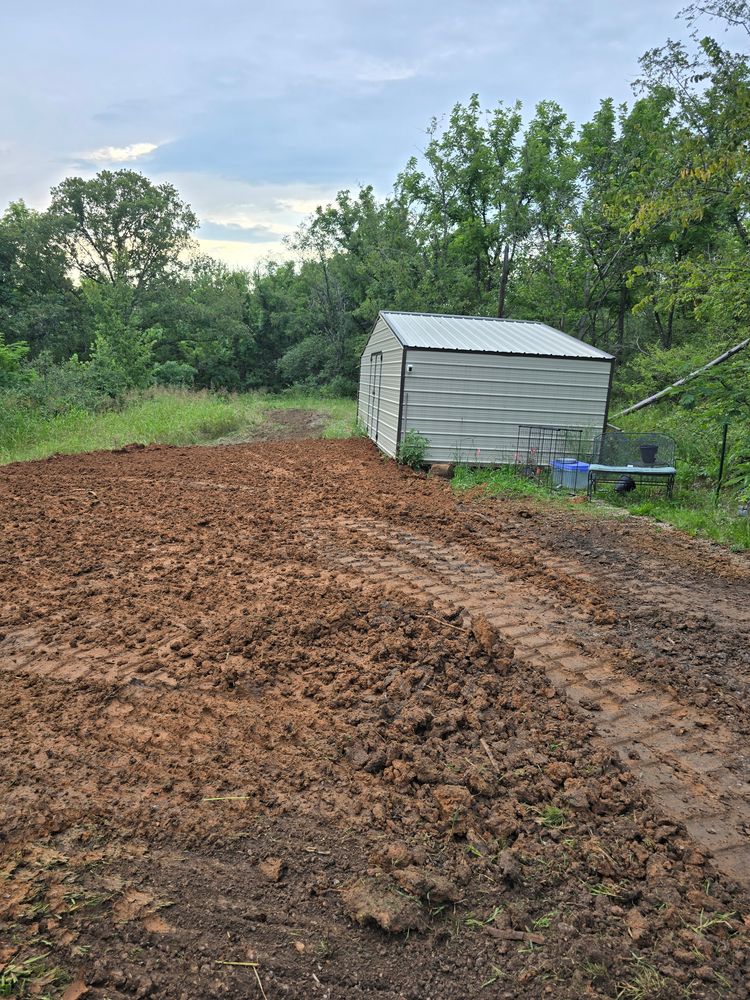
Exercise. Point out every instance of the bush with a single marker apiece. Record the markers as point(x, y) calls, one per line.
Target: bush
point(306, 364)
point(11, 357)
point(340, 387)
point(174, 373)
point(412, 449)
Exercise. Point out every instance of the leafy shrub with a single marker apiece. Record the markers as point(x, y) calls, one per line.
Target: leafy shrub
point(412, 449)
point(305, 365)
point(174, 373)
point(11, 357)
point(339, 387)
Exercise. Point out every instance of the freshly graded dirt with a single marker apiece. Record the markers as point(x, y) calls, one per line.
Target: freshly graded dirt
point(285, 720)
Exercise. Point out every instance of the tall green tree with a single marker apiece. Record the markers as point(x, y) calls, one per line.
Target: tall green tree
point(120, 228)
point(38, 302)
point(707, 182)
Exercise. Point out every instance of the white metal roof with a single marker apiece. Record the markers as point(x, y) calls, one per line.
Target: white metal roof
point(486, 335)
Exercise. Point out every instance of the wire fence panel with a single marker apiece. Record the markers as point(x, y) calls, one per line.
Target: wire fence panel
point(553, 455)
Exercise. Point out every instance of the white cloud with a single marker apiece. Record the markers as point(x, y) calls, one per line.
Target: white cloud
point(281, 207)
point(120, 154)
point(244, 255)
point(380, 71)
point(274, 210)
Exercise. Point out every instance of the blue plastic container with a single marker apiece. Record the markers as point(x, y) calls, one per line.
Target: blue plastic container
point(569, 474)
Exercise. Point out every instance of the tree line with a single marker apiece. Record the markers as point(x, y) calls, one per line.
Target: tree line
point(630, 232)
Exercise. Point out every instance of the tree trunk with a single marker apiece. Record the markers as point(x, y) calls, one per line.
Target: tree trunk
point(503, 282)
point(583, 321)
point(670, 326)
point(621, 310)
point(704, 368)
point(665, 332)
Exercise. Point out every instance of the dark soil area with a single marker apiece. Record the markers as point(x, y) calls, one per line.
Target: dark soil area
point(236, 764)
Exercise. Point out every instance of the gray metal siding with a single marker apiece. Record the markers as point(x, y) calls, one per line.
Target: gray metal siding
point(382, 425)
point(469, 406)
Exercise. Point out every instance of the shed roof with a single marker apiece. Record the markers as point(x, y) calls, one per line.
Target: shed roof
point(486, 335)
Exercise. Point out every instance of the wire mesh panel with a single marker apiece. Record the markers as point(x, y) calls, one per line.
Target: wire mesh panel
point(644, 450)
point(541, 452)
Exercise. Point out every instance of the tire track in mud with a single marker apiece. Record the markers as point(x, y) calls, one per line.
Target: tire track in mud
point(691, 763)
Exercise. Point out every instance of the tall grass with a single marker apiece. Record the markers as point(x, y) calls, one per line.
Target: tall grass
point(158, 416)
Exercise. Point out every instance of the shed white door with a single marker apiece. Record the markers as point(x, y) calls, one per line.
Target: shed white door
point(375, 389)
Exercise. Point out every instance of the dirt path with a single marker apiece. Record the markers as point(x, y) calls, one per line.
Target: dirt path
point(280, 425)
point(290, 706)
point(697, 769)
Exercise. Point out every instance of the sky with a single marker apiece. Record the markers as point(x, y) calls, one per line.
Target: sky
point(259, 111)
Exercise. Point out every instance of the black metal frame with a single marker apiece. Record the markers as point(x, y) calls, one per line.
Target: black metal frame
point(641, 477)
point(539, 446)
point(623, 451)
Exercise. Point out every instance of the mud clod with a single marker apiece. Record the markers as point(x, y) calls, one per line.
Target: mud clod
point(368, 901)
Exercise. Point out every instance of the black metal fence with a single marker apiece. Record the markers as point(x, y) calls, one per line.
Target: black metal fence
point(552, 455)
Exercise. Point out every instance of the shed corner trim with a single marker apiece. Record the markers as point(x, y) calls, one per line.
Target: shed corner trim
point(382, 315)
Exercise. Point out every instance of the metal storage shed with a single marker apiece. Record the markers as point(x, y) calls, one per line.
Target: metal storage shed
point(468, 382)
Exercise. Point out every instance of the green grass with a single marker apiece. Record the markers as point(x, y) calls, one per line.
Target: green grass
point(503, 481)
point(695, 512)
point(158, 416)
point(692, 510)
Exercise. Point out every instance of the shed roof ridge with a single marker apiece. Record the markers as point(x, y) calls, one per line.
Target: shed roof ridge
point(493, 319)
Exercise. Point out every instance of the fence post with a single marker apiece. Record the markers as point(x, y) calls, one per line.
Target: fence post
point(725, 428)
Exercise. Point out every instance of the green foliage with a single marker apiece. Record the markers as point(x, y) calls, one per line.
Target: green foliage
point(38, 301)
point(119, 228)
point(413, 449)
point(121, 356)
point(695, 413)
point(501, 481)
point(167, 416)
point(11, 356)
point(174, 373)
point(307, 363)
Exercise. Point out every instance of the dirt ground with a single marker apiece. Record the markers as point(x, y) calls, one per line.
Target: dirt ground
point(285, 720)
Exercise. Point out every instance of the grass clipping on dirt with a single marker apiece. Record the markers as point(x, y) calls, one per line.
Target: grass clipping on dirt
point(453, 800)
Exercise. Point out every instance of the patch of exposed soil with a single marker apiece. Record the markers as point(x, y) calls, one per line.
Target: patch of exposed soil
point(281, 425)
point(287, 718)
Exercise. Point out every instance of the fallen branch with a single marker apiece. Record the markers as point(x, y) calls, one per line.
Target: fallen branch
point(665, 392)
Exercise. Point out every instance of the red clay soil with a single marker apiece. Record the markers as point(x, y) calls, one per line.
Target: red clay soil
point(285, 720)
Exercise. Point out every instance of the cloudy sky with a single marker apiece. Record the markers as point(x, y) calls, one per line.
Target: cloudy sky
point(259, 111)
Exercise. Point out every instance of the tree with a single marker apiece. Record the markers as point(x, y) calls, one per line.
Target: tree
point(11, 356)
point(204, 323)
point(38, 302)
point(466, 206)
point(120, 228)
point(707, 182)
point(121, 354)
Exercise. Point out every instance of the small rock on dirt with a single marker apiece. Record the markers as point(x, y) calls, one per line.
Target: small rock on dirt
point(444, 470)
